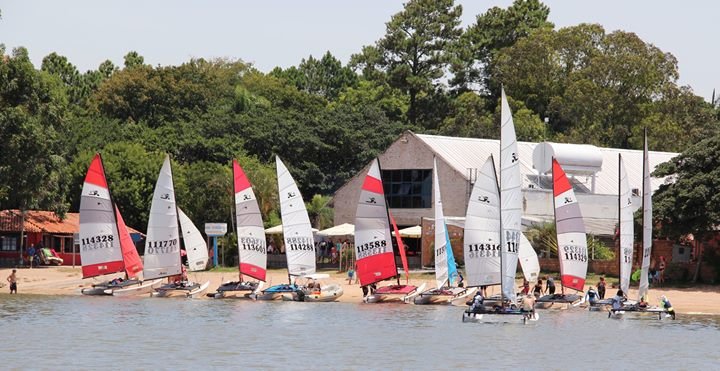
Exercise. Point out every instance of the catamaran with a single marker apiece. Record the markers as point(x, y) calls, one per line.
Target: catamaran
point(510, 214)
point(163, 255)
point(642, 299)
point(252, 249)
point(105, 244)
point(571, 241)
point(299, 246)
point(373, 243)
point(445, 267)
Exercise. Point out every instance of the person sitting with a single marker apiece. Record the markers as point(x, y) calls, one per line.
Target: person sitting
point(116, 281)
point(643, 302)
point(618, 299)
point(592, 296)
point(665, 304)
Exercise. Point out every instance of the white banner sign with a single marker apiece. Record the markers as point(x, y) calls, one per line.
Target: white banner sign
point(215, 229)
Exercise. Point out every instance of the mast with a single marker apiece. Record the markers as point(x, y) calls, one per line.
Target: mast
point(501, 241)
point(647, 221)
point(235, 190)
point(619, 237)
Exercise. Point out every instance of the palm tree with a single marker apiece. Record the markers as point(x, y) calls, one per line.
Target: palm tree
point(320, 212)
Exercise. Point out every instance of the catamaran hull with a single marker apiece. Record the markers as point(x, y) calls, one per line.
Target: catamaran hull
point(559, 301)
point(95, 291)
point(143, 288)
point(238, 290)
point(106, 288)
point(490, 317)
point(327, 294)
point(176, 290)
point(394, 297)
point(441, 297)
point(631, 310)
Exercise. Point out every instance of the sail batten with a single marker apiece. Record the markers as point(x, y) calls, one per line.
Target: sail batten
point(252, 249)
point(297, 231)
point(100, 250)
point(373, 240)
point(571, 238)
point(626, 227)
point(162, 245)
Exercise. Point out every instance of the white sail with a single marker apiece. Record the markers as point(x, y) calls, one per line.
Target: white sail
point(99, 239)
point(373, 241)
point(297, 231)
point(510, 199)
point(626, 228)
point(528, 260)
point(162, 246)
point(195, 246)
point(647, 223)
point(252, 249)
point(571, 238)
point(482, 229)
point(441, 262)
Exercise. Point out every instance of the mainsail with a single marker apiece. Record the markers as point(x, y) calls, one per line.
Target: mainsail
point(99, 238)
point(441, 243)
point(482, 229)
point(373, 241)
point(647, 223)
point(571, 239)
point(131, 258)
point(195, 246)
point(252, 249)
point(162, 246)
point(297, 231)
point(626, 227)
point(510, 199)
point(528, 260)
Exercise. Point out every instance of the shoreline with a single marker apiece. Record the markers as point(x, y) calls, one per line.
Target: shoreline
point(68, 281)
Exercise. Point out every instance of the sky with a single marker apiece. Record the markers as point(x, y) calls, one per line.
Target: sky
point(271, 33)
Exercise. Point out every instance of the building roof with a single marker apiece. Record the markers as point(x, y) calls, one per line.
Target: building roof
point(42, 221)
point(466, 155)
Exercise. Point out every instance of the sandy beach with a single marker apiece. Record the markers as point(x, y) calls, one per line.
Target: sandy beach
point(68, 281)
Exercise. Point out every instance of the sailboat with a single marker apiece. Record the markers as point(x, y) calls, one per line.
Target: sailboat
point(299, 246)
point(482, 236)
point(510, 219)
point(163, 255)
point(252, 249)
point(373, 243)
point(571, 240)
point(445, 267)
point(105, 244)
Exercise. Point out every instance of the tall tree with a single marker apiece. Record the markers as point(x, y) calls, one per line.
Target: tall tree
point(415, 49)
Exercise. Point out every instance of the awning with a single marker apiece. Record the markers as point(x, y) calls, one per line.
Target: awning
point(410, 232)
point(278, 229)
point(345, 229)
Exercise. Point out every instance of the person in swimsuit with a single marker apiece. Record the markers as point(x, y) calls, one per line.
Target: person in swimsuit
point(601, 288)
point(550, 285)
point(12, 278)
point(537, 290)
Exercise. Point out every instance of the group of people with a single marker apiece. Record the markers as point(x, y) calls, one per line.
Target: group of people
point(326, 250)
point(538, 289)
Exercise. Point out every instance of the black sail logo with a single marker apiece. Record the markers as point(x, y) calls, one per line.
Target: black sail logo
point(514, 158)
point(95, 193)
point(166, 196)
point(290, 194)
point(568, 200)
point(371, 200)
point(484, 199)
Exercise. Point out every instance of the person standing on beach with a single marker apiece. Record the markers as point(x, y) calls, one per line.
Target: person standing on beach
point(601, 288)
point(12, 278)
point(31, 254)
point(550, 285)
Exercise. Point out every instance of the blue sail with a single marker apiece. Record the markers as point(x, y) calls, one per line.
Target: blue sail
point(452, 267)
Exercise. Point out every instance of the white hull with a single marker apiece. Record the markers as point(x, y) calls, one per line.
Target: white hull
point(327, 294)
point(501, 318)
point(445, 297)
point(237, 294)
point(143, 288)
point(188, 293)
point(394, 298)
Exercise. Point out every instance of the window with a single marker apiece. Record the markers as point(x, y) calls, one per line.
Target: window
point(408, 189)
point(8, 243)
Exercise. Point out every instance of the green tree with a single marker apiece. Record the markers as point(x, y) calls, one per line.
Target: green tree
point(133, 59)
point(320, 212)
point(325, 77)
point(415, 49)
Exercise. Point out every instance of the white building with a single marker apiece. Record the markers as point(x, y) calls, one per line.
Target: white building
point(407, 178)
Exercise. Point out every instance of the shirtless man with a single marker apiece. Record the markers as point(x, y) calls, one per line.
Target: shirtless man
point(12, 278)
point(527, 306)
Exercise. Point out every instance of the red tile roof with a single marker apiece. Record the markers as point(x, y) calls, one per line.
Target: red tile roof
point(42, 221)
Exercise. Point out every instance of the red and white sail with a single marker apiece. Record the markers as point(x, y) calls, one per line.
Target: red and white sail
point(626, 227)
point(482, 229)
point(647, 223)
point(162, 244)
point(510, 199)
point(131, 258)
point(252, 249)
point(373, 240)
point(99, 239)
point(297, 231)
point(572, 242)
point(195, 246)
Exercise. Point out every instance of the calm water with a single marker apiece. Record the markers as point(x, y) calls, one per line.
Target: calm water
point(141, 333)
